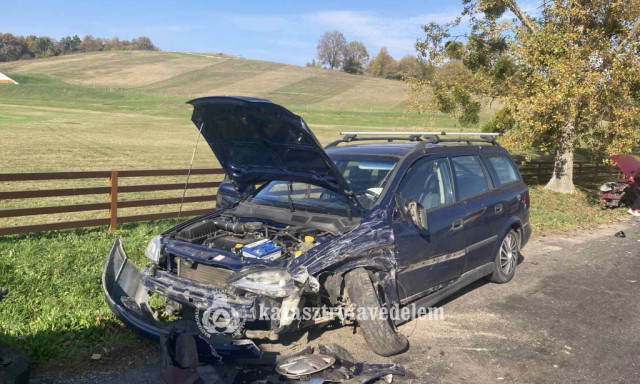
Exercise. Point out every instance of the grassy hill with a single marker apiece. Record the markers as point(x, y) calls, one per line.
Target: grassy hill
point(190, 75)
point(127, 110)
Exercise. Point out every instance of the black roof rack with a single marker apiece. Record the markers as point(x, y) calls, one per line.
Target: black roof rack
point(428, 137)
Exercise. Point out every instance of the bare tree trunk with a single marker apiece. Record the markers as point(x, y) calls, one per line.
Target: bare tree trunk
point(562, 178)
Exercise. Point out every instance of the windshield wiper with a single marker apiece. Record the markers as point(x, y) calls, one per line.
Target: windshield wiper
point(290, 190)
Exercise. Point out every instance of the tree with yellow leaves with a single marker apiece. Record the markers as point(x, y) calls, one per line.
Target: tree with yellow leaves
point(568, 76)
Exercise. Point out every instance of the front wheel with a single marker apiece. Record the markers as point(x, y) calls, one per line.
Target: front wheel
point(379, 331)
point(504, 266)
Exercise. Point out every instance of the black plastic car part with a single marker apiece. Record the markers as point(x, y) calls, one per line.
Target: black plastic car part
point(14, 366)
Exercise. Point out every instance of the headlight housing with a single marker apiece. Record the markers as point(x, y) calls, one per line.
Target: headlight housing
point(270, 282)
point(153, 249)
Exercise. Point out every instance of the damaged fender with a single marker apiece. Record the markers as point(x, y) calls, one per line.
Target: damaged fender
point(369, 246)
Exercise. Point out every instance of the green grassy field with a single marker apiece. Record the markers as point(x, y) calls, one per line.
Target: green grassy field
point(189, 75)
point(55, 308)
point(95, 126)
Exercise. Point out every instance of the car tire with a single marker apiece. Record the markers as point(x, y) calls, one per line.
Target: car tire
point(380, 334)
point(506, 260)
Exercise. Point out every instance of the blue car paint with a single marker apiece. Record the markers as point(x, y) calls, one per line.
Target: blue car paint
point(386, 243)
point(415, 246)
point(382, 230)
point(228, 195)
point(256, 140)
point(368, 245)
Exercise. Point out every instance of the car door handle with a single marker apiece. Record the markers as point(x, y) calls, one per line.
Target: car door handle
point(498, 208)
point(457, 224)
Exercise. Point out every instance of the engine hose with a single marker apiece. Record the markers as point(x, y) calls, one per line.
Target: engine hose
point(230, 226)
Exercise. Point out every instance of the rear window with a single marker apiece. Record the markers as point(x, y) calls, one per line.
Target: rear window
point(470, 174)
point(505, 171)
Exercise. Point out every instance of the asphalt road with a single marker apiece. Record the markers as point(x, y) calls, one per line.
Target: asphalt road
point(570, 315)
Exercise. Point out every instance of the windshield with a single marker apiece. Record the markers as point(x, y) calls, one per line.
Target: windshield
point(366, 178)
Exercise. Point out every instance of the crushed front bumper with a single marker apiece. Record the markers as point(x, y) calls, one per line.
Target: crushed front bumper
point(127, 289)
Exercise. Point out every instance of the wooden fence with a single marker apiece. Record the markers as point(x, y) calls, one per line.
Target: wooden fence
point(113, 203)
point(540, 172)
point(533, 173)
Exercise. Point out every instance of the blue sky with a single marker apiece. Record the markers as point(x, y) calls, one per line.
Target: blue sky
point(282, 31)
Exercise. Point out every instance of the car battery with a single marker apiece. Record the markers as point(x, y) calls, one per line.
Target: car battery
point(263, 249)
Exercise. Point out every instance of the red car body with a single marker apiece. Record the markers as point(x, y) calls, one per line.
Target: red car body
point(627, 188)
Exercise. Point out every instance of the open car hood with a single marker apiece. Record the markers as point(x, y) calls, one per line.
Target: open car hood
point(256, 141)
point(629, 164)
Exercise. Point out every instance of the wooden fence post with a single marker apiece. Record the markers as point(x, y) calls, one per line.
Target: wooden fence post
point(113, 201)
point(579, 170)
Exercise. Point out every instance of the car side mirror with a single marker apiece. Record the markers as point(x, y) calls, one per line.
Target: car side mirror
point(418, 214)
point(412, 211)
point(228, 195)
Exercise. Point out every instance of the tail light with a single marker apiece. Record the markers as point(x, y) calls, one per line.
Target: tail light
point(525, 199)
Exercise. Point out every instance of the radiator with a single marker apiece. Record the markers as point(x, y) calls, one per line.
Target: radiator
point(203, 273)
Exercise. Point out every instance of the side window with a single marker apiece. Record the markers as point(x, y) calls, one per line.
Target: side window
point(471, 175)
point(428, 183)
point(505, 171)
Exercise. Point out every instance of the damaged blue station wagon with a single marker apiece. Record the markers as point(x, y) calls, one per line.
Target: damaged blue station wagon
point(385, 220)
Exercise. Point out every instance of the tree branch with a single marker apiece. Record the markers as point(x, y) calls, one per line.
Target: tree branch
point(524, 19)
point(632, 33)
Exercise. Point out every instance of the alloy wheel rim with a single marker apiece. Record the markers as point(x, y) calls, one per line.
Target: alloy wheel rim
point(508, 254)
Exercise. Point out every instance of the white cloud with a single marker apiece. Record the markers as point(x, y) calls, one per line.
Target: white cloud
point(398, 34)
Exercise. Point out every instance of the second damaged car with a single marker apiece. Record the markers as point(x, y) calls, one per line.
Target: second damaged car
point(368, 225)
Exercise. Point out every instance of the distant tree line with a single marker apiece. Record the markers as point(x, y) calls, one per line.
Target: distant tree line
point(335, 53)
point(27, 47)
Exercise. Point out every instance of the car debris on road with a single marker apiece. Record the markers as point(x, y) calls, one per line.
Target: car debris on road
point(323, 364)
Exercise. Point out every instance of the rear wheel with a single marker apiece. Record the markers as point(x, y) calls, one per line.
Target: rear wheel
point(504, 266)
point(379, 331)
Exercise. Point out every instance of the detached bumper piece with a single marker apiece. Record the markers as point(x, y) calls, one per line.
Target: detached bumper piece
point(126, 290)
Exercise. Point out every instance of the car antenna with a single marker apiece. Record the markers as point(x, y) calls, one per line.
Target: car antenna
point(193, 157)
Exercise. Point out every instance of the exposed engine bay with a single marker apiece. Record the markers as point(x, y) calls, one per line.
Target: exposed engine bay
point(241, 261)
point(616, 193)
point(252, 239)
